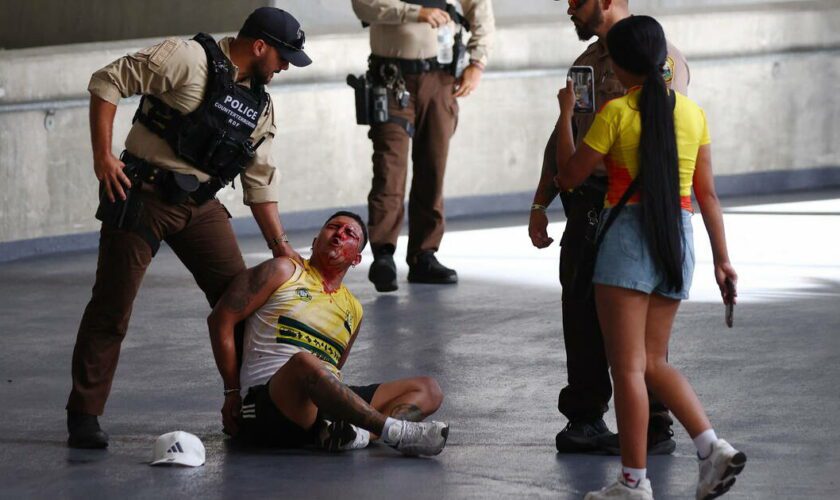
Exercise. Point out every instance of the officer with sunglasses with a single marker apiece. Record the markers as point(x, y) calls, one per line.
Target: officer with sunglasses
point(584, 399)
point(204, 119)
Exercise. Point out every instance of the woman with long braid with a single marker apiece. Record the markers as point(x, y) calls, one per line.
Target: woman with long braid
point(655, 144)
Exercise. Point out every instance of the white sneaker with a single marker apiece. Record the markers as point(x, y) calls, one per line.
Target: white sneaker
point(418, 438)
point(718, 470)
point(342, 436)
point(620, 490)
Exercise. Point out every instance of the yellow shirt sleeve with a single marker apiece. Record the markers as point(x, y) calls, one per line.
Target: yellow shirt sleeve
point(705, 138)
point(603, 132)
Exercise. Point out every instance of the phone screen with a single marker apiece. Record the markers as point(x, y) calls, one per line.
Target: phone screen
point(583, 82)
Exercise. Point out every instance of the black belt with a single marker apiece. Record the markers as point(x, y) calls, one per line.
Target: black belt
point(409, 66)
point(164, 180)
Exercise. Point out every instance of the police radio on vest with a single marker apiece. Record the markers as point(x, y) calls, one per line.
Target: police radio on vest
point(242, 108)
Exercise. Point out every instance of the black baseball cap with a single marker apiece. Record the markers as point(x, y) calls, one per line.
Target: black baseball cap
point(280, 30)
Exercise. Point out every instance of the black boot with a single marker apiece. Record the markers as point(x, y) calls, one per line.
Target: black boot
point(660, 438)
point(85, 431)
point(383, 271)
point(427, 269)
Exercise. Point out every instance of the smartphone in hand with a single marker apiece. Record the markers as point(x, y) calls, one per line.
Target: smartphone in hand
point(583, 82)
point(729, 301)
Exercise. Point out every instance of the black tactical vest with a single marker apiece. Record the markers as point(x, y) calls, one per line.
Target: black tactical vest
point(216, 137)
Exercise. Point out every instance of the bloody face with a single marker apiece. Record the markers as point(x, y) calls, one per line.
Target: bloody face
point(339, 241)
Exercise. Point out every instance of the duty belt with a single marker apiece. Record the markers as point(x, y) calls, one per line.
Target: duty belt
point(409, 66)
point(164, 180)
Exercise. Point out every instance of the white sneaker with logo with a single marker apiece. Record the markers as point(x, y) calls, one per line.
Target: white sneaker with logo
point(620, 490)
point(342, 436)
point(418, 438)
point(718, 470)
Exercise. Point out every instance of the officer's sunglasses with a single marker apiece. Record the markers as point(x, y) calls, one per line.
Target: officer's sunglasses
point(296, 45)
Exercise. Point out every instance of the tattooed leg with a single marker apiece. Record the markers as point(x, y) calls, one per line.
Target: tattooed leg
point(303, 386)
point(407, 411)
point(335, 398)
point(408, 399)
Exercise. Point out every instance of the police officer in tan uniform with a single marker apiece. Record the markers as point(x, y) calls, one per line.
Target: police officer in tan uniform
point(204, 119)
point(411, 44)
point(584, 399)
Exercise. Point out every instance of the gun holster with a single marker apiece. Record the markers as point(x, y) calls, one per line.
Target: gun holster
point(127, 214)
point(371, 100)
point(122, 214)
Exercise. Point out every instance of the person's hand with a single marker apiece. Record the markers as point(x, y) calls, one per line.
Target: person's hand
point(230, 413)
point(284, 249)
point(468, 81)
point(432, 16)
point(538, 229)
point(109, 171)
point(566, 98)
point(724, 271)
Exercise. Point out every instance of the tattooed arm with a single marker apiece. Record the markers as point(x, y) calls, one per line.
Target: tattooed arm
point(245, 294)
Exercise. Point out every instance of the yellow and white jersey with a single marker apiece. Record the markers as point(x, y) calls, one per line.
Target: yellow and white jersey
point(298, 316)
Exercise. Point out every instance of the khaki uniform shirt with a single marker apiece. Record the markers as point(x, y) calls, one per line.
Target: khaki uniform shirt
point(175, 71)
point(396, 32)
point(607, 87)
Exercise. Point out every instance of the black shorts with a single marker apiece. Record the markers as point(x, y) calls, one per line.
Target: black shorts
point(263, 423)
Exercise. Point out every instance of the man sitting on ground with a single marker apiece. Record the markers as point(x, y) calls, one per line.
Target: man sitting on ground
point(300, 324)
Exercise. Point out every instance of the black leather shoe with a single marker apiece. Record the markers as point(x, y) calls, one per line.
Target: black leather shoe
point(582, 436)
point(660, 441)
point(85, 432)
point(383, 271)
point(427, 269)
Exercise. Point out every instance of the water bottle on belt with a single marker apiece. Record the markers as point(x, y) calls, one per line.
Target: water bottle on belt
point(446, 40)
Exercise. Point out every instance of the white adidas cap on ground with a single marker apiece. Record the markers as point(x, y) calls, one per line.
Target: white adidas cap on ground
point(178, 447)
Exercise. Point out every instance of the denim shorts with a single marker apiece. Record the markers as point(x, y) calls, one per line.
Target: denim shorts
point(624, 258)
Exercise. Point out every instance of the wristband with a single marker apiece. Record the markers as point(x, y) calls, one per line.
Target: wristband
point(231, 391)
point(273, 242)
point(537, 206)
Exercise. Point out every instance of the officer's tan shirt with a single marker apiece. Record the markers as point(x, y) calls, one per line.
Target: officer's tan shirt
point(607, 87)
point(396, 32)
point(175, 71)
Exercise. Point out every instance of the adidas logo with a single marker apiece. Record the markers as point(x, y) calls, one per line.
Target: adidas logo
point(249, 411)
point(175, 448)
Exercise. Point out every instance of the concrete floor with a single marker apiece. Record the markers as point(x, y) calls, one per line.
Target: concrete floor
point(493, 341)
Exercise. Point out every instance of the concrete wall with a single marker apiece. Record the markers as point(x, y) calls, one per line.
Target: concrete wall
point(38, 23)
point(763, 75)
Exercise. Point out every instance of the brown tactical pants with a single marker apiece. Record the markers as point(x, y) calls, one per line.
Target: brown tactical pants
point(201, 237)
point(433, 110)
